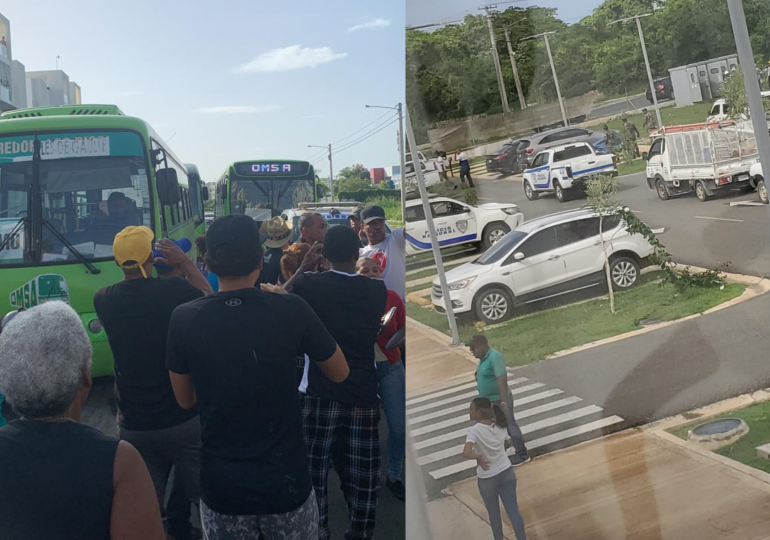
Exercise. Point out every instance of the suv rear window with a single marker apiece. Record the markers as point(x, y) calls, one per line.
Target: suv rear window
point(504, 150)
point(571, 152)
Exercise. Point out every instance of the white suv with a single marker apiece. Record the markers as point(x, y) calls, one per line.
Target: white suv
point(544, 258)
point(459, 223)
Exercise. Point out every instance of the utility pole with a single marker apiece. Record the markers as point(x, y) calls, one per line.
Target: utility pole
point(328, 147)
point(646, 61)
point(750, 82)
point(403, 160)
point(515, 70)
point(432, 231)
point(553, 71)
point(496, 58)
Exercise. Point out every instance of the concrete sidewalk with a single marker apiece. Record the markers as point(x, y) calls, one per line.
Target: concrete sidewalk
point(637, 484)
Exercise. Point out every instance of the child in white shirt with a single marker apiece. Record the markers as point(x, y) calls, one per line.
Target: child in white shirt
point(486, 443)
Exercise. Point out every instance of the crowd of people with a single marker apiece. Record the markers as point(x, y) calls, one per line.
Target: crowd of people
point(240, 381)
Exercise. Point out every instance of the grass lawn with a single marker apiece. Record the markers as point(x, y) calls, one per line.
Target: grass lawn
point(523, 340)
point(671, 116)
point(631, 168)
point(757, 417)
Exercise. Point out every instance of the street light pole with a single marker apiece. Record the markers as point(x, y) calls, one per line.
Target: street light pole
point(433, 236)
point(750, 82)
point(515, 70)
point(646, 61)
point(553, 71)
point(496, 58)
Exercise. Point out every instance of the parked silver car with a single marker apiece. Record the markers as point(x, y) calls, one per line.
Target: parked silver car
point(560, 136)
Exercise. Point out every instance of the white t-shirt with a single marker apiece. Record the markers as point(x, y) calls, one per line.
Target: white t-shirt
point(390, 254)
point(489, 441)
point(440, 164)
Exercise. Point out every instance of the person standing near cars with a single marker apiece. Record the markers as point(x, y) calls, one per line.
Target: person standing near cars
point(465, 168)
point(277, 238)
point(630, 135)
point(492, 383)
point(649, 122)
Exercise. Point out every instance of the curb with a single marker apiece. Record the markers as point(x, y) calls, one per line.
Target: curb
point(755, 286)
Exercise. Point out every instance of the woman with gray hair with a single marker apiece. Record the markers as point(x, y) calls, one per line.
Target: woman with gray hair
point(62, 479)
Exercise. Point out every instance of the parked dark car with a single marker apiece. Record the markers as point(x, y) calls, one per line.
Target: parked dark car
point(663, 89)
point(511, 158)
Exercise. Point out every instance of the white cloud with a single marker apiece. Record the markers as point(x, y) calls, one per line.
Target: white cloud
point(294, 57)
point(376, 23)
point(238, 109)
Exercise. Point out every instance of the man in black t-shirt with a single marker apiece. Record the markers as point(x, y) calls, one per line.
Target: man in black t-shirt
point(351, 307)
point(135, 314)
point(233, 353)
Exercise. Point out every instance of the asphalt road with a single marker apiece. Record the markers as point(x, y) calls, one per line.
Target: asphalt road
point(99, 412)
point(702, 234)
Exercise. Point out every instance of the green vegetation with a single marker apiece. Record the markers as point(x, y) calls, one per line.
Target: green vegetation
point(524, 340)
point(392, 209)
point(631, 168)
point(757, 417)
point(450, 73)
point(671, 116)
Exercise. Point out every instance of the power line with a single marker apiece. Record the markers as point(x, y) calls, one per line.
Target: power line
point(363, 128)
point(362, 139)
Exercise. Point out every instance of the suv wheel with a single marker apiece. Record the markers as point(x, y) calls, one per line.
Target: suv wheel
point(493, 305)
point(492, 234)
point(529, 192)
point(624, 272)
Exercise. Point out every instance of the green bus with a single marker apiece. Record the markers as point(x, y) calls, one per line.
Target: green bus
point(263, 189)
point(72, 177)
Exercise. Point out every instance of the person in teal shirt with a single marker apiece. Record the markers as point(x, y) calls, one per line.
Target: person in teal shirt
point(492, 383)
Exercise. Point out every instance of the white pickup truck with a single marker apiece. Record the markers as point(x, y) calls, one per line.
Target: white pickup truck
point(459, 223)
point(704, 158)
point(564, 169)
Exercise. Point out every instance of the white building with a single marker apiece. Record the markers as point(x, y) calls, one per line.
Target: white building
point(52, 87)
point(12, 83)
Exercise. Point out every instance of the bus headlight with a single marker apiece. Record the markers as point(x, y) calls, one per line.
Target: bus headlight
point(95, 326)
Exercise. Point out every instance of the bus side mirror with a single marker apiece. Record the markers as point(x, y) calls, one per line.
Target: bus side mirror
point(319, 191)
point(204, 193)
point(645, 156)
point(168, 186)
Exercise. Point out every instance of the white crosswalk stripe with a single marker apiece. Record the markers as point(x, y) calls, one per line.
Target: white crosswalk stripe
point(440, 424)
point(466, 397)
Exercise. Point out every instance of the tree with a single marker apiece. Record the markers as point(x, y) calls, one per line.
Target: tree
point(353, 178)
point(599, 190)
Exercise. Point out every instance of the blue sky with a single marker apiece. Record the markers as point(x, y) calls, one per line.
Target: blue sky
point(235, 79)
point(432, 11)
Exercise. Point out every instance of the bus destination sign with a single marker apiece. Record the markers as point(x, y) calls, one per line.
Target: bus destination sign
point(271, 168)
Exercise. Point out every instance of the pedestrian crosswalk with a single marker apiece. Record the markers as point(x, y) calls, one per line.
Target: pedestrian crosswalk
point(549, 419)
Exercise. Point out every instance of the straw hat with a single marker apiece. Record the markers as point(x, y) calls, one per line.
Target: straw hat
point(278, 232)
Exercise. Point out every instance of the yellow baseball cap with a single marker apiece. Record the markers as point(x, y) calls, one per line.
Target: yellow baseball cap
point(132, 247)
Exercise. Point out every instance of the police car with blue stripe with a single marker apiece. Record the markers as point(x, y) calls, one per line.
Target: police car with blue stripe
point(563, 170)
point(459, 223)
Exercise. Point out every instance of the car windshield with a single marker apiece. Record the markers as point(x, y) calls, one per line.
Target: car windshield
point(91, 186)
point(501, 248)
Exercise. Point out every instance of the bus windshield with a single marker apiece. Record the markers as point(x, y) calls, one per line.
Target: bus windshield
point(264, 189)
point(91, 186)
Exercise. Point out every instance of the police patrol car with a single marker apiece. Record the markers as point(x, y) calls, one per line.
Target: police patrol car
point(459, 223)
point(334, 213)
point(563, 170)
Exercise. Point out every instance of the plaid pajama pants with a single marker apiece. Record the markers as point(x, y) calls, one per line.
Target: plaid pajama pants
point(326, 421)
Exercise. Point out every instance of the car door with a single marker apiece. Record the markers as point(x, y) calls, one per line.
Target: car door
point(416, 229)
point(655, 159)
point(455, 223)
point(581, 247)
point(541, 170)
point(541, 268)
